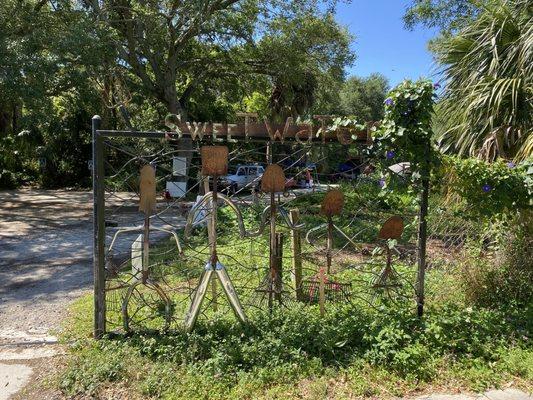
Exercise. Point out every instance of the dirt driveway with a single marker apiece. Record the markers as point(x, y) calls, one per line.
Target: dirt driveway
point(45, 263)
point(45, 257)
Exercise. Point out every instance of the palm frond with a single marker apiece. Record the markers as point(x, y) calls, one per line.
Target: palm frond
point(488, 66)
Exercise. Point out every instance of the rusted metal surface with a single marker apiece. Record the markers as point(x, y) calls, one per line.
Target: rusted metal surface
point(392, 228)
point(214, 160)
point(147, 190)
point(273, 180)
point(332, 203)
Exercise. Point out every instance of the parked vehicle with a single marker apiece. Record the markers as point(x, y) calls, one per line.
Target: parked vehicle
point(246, 176)
point(403, 169)
point(348, 170)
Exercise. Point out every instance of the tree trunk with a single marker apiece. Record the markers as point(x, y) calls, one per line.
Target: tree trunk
point(184, 146)
point(16, 117)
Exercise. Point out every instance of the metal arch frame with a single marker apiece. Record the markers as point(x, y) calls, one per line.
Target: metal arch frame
point(202, 203)
point(308, 238)
point(145, 281)
point(162, 295)
point(140, 229)
point(266, 215)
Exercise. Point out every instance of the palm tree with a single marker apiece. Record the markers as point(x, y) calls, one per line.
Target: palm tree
point(487, 107)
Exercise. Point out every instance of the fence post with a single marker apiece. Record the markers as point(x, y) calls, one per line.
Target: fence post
point(322, 291)
point(210, 232)
point(422, 231)
point(296, 247)
point(278, 274)
point(98, 173)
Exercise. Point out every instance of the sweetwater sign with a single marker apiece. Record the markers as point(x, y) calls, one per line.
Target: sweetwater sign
point(251, 129)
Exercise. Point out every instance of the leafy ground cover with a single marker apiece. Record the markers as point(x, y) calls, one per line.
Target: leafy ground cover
point(475, 333)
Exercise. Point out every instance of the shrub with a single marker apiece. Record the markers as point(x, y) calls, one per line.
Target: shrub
point(490, 188)
point(297, 342)
point(504, 280)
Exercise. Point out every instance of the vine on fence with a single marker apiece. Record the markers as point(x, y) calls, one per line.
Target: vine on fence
point(405, 131)
point(405, 136)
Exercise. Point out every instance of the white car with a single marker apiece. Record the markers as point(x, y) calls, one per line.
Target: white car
point(402, 169)
point(245, 177)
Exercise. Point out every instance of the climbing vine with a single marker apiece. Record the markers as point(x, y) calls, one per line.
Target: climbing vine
point(405, 131)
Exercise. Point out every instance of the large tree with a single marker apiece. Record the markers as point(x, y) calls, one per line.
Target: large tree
point(364, 97)
point(170, 49)
point(445, 15)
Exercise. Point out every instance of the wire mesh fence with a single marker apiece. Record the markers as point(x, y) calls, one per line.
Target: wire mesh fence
point(154, 289)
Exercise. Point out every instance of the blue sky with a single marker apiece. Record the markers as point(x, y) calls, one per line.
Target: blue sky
point(382, 44)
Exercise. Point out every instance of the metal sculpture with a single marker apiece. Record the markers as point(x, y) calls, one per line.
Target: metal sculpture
point(147, 205)
point(214, 165)
point(331, 206)
point(272, 182)
point(320, 288)
point(388, 278)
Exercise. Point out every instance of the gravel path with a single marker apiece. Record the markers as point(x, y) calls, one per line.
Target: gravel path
point(45, 263)
point(45, 257)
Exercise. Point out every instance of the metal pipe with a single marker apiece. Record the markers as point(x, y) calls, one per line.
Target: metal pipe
point(272, 248)
point(146, 248)
point(98, 229)
point(213, 222)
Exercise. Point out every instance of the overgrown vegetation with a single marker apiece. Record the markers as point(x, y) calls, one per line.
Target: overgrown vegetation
point(487, 106)
point(353, 347)
point(65, 61)
point(475, 333)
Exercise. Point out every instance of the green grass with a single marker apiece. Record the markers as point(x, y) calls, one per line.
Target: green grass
point(296, 352)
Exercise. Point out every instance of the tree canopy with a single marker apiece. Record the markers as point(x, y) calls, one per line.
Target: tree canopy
point(364, 97)
point(63, 61)
point(446, 15)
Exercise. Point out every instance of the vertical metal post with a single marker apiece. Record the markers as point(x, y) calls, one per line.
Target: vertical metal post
point(422, 231)
point(296, 244)
point(211, 232)
point(269, 153)
point(98, 230)
point(213, 220)
point(146, 248)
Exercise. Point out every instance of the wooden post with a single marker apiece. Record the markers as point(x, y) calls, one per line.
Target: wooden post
point(322, 291)
point(422, 231)
point(296, 247)
point(278, 268)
